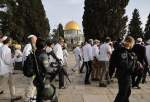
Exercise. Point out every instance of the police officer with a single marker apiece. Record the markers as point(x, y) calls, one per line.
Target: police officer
point(41, 68)
point(123, 70)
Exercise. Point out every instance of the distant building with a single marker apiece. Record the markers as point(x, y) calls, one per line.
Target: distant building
point(73, 34)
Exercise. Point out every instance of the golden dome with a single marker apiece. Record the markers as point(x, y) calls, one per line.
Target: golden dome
point(72, 25)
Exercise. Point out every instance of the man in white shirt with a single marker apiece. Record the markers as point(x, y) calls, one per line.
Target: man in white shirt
point(104, 57)
point(87, 58)
point(2, 38)
point(6, 68)
point(148, 52)
point(148, 55)
point(77, 54)
point(30, 89)
point(59, 53)
point(95, 62)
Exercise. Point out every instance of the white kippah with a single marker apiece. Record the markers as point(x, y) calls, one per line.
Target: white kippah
point(4, 38)
point(30, 36)
point(139, 39)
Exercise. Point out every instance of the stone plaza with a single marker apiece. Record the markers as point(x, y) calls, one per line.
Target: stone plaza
point(76, 91)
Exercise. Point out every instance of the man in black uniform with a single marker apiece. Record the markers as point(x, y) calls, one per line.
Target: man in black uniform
point(120, 61)
point(140, 51)
point(42, 65)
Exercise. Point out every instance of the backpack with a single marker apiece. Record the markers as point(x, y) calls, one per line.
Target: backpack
point(28, 66)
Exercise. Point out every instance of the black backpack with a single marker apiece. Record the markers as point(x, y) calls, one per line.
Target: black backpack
point(28, 66)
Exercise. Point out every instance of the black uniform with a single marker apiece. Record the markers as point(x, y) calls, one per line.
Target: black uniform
point(120, 60)
point(43, 65)
point(140, 51)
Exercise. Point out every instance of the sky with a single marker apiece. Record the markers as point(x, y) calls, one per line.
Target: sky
point(63, 11)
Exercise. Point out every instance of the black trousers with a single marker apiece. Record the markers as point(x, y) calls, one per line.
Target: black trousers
point(136, 78)
point(61, 79)
point(81, 69)
point(39, 95)
point(124, 90)
point(146, 70)
point(88, 66)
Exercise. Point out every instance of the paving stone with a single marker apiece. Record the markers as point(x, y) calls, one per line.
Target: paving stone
point(78, 92)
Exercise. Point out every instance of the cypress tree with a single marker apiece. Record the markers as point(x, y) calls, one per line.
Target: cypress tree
point(134, 28)
point(60, 30)
point(104, 18)
point(32, 18)
point(147, 29)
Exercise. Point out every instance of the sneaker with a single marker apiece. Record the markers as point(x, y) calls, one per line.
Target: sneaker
point(137, 87)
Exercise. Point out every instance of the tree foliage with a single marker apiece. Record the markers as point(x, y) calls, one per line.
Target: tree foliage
point(134, 28)
point(147, 29)
point(60, 30)
point(27, 17)
point(104, 18)
point(3, 18)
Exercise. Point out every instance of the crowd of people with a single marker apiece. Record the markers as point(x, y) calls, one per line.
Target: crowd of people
point(125, 59)
point(14, 57)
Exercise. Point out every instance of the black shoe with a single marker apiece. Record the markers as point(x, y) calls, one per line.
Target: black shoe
point(143, 81)
point(138, 87)
point(102, 85)
point(1, 92)
point(81, 72)
point(62, 87)
point(87, 83)
point(16, 98)
point(73, 70)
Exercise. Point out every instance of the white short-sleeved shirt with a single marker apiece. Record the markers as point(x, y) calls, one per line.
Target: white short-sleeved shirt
point(104, 52)
point(87, 53)
point(148, 53)
point(77, 52)
point(6, 60)
point(58, 51)
point(95, 51)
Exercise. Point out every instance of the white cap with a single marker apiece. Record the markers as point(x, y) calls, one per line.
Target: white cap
point(139, 39)
point(30, 36)
point(4, 38)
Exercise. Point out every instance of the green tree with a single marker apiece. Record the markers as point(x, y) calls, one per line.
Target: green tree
point(134, 28)
point(60, 30)
point(32, 18)
point(26, 17)
point(147, 29)
point(3, 17)
point(104, 18)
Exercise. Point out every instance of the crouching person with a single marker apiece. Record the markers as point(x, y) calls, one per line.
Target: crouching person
point(123, 61)
point(6, 69)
